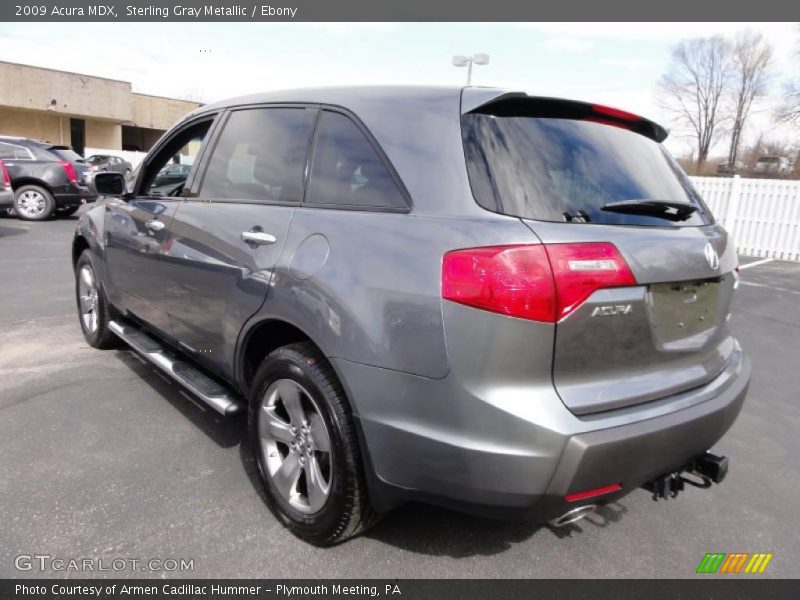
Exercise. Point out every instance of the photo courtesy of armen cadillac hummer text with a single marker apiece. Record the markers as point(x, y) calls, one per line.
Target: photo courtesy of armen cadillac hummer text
point(510, 305)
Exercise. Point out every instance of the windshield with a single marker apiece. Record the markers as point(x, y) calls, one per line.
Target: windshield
point(554, 169)
point(96, 159)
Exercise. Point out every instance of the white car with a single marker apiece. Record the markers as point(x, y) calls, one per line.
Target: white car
point(775, 165)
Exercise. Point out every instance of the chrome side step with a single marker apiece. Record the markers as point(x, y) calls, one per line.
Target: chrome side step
point(194, 380)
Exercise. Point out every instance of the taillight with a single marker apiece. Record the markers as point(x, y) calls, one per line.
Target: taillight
point(6, 176)
point(537, 282)
point(581, 269)
point(69, 170)
point(511, 280)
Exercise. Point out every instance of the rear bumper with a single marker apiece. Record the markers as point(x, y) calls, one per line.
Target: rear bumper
point(72, 195)
point(633, 454)
point(517, 452)
point(6, 199)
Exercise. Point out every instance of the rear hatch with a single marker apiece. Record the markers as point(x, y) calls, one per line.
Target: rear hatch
point(67, 154)
point(590, 178)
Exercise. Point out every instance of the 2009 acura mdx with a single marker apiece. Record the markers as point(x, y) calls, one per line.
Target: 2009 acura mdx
point(511, 305)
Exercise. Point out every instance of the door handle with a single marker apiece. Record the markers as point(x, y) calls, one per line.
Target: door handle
point(155, 224)
point(260, 238)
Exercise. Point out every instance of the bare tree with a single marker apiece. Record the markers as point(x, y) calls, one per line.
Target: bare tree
point(789, 111)
point(693, 88)
point(752, 56)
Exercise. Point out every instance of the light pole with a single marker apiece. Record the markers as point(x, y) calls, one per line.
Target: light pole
point(467, 61)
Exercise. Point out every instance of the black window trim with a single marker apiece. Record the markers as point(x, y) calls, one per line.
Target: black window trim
point(197, 183)
point(378, 151)
point(221, 119)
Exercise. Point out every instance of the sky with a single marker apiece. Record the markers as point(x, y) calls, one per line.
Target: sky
point(612, 63)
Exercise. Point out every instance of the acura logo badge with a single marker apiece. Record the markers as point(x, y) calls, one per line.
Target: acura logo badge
point(712, 258)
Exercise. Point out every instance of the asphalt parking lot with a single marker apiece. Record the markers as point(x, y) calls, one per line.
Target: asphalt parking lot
point(103, 458)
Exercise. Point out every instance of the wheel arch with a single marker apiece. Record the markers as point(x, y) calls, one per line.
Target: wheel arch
point(258, 339)
point(19, 182)
point(79, 245)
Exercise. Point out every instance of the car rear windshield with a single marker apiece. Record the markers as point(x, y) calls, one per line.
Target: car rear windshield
point(96, 159)
point(571, 169)
point(66, 154)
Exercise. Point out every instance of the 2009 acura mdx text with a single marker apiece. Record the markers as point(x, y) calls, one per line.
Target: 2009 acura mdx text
point(510, 305)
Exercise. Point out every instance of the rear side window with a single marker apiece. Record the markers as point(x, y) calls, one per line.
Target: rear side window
point(347, 170)
point(565, 169)
point(260, 155)
point(13, 151)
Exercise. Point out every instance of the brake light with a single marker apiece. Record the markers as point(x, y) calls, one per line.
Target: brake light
point(537, 282)
point(615, 113)
point(69, 170)
point(6, 176)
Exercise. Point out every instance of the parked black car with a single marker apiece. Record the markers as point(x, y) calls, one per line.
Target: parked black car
point(47, 179)
point(6, 192)
point(107, 162)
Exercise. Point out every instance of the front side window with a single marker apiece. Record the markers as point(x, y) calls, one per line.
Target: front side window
point(166, 173)
point(261, 156)
point(346, 169)
point(565, 169)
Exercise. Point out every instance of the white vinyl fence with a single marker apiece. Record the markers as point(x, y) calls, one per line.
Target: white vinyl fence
point(762, 215)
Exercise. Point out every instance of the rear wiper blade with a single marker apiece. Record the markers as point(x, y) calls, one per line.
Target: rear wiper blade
point(665, 209)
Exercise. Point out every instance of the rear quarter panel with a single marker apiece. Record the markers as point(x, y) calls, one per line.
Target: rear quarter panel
point(366, 286)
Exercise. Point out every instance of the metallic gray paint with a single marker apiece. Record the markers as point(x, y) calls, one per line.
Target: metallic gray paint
point(452, 402)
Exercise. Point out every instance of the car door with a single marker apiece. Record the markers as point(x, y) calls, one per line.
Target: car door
point(136, 229)
point(226, 237)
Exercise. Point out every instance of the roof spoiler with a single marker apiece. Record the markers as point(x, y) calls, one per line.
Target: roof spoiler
point(501, 103)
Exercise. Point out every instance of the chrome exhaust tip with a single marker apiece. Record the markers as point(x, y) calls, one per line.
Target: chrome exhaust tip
point(575, 514)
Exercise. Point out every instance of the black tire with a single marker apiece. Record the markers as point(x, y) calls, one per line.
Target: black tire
point(100, 336)
point(21, 195)
point(347, 511)
point(66, 212)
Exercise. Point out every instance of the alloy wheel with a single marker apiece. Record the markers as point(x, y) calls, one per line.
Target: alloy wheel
point(295, 446)
point(31, 203)
point(87, 297)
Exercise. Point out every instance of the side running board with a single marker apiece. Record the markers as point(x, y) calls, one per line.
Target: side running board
point(194, 380)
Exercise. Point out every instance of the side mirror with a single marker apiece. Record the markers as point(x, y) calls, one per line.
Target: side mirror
point(109, 183)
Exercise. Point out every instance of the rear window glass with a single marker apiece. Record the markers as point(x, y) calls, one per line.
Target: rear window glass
point(67, 154)
point(13, 151)
point(554, 169)
point(347, 171)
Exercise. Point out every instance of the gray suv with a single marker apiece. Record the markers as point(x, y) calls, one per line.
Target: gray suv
point(509, 305)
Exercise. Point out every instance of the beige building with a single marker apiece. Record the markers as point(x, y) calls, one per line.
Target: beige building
point(82, 111)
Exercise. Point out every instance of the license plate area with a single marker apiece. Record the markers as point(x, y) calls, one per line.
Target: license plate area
point(684, 314)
